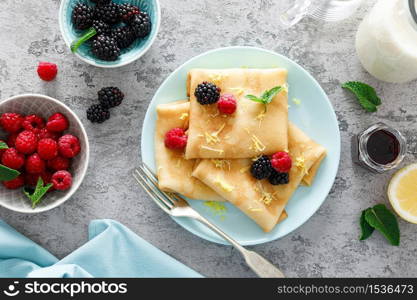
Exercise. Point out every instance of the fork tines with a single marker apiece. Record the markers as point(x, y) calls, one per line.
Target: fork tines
point(149, 183)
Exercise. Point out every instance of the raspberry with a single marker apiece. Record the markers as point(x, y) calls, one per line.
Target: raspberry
point(58, 163)
point(16, 183)
point(26, 142)
point(281, 162)
point(13, 159)
point(68, 146)
point(47, 149)
point(47, 71)
point(57, 123)
point(45, 134)
point(33, 123)
point(62, 180)
point(11, 122)
point(227, 104)
point(176, 138)
point(11, 139)
point(34, 164)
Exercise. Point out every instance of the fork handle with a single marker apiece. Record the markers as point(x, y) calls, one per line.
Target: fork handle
point(256, 262)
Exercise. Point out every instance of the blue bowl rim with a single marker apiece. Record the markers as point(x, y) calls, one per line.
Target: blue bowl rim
point(121, 64)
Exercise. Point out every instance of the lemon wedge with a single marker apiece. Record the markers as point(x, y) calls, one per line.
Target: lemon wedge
point(402, 193)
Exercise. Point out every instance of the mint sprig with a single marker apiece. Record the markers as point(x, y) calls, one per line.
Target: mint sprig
point(365, 94)
point(7, 173)
point(382, 219)
point(267, 96)
point(40, 190)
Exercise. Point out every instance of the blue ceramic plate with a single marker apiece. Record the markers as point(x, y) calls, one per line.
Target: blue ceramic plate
point(315, 115)
point(128, 55)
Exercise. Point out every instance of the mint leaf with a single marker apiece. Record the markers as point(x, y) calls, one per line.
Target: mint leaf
point(365, 95)
point(38, 193)
point(7, 174)
point(3, 145)
point(383, 220)
point(254, 98)
point(267, 96)
point(366, 229)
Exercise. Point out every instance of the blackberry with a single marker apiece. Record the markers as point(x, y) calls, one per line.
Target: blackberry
point(82, 16)
point(141, 24)
point(97, 113)
point(101, 2)
point(277, 178)
point(109, 13)
point(110, 97)
point(105, 48)
point(124, 36)
point(97, 28)
point(101, 27)
point(207, 93)
point(128, 11)
point(261, 168)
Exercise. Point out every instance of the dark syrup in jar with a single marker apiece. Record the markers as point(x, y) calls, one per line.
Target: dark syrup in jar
point(383, 147)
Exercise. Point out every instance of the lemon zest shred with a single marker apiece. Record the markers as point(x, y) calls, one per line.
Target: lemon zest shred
point(257, 145)
point(217, 208)
point(217, 78)
point(214, 136)
point(254, 209)
point(266, 198)
point(244, 169)
point(237, 90)
point(224, 185)
point(220, 151)
point(184, 116)
point(300, 163)
point(221, 163)
point(296, 101)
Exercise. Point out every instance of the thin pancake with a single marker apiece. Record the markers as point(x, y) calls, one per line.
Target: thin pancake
point(250, 130)
point(174, 172)
point(262, 202)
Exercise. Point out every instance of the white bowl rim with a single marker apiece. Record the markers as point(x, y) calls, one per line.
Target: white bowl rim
point(93, 63)
point(83, 169)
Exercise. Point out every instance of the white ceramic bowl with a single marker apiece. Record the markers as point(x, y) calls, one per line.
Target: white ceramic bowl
point(45, 106)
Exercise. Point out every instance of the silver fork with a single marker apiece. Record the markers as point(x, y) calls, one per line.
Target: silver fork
point(176, 206)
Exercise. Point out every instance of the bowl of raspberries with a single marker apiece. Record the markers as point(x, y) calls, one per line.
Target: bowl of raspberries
point(44, 153)
point(109, 33)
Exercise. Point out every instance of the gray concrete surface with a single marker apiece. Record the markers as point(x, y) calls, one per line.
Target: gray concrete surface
point(327, 245)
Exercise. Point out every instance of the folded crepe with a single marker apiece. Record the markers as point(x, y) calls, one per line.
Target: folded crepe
point(261, 201)
point(173, 170)
point(249, 131)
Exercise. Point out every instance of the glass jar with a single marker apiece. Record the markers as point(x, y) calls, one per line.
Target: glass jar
point(379, 148)
point(386, 41)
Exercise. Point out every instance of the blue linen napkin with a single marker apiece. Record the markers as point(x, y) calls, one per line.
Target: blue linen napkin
point(113, 250)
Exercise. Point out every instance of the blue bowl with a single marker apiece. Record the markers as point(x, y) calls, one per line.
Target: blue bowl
point(128, 55)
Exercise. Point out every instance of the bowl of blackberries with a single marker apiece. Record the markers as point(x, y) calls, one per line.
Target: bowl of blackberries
point(109, 33)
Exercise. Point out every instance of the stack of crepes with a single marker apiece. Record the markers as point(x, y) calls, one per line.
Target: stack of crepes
point(216, 163)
